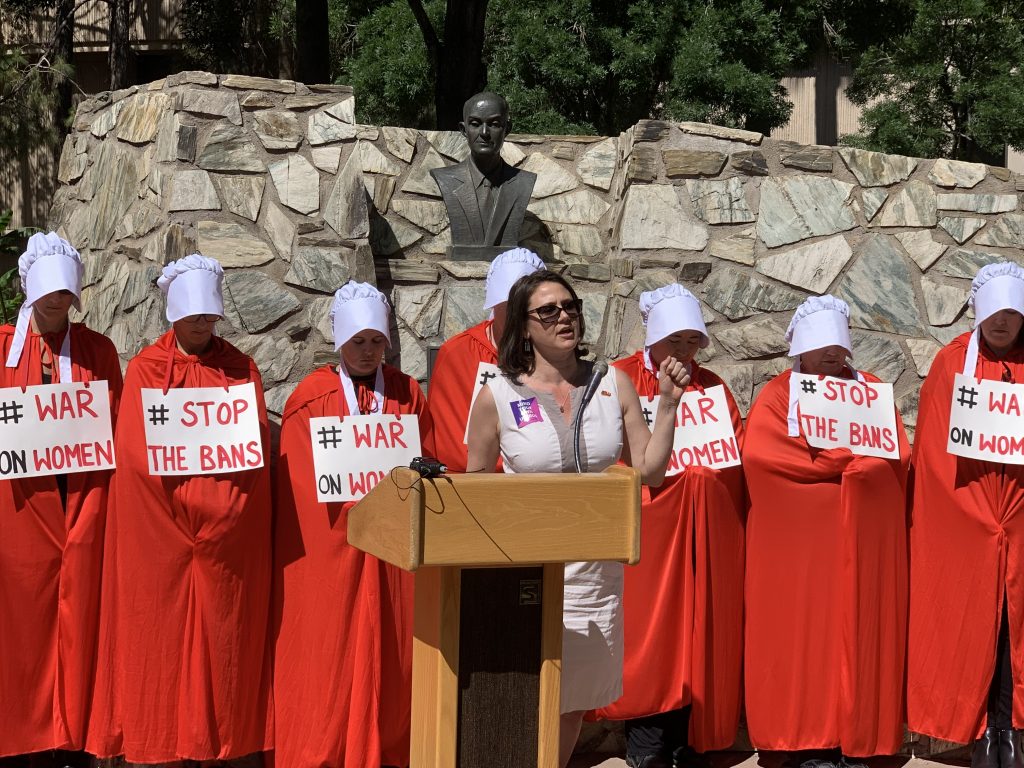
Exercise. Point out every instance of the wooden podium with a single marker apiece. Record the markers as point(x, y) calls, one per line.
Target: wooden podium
point(489, 551)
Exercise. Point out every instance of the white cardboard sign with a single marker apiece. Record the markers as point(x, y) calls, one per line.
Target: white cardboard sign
point(202, 430)
point(844, 413)
point(704, 436)
point(484, 373)
point(55, 429)
point(352, 455)
point(985, 420)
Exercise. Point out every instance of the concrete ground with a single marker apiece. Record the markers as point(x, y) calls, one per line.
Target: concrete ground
point(766, 760)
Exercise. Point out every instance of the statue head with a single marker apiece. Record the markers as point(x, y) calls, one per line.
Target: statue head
point(485, 124)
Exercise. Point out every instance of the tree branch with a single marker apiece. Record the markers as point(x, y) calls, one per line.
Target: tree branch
point(429, 33)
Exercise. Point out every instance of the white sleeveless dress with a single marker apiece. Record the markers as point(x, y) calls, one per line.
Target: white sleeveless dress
point(535, 438)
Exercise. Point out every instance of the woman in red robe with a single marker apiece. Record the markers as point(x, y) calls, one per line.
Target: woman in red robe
point(457, 367)
point(826, 579)
point(51, 527)
point(343, 618)
point(683, 602)
point(965, 678)
point(184, 669)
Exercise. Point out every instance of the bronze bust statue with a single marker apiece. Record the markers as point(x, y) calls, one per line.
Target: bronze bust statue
point(486, 198)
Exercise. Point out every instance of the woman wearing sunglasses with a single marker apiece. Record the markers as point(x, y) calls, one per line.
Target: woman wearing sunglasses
point(965, 681)
point(186, 671)
point(342, 673)
point(51, 527)
point(525, 415)
point(683, 603)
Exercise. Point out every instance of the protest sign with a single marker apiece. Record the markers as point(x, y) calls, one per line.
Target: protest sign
point(352, 455)
point(985, 420)
point(484, 373)
point(202, 430)
point(55, 429)
point(844, 413)
point(704, 436)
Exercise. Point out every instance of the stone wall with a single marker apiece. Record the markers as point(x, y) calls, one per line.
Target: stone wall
point(278, 182)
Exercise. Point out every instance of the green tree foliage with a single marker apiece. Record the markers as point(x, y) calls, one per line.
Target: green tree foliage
point(29, 77)
point(951, 86)
point(229, 36)
point(593, 66)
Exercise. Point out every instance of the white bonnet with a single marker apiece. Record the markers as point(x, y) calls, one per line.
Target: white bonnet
point(506, 268)
point(821, 321)
point(996, 287)
point(671, 309)
point(193, 287)
point(49, 264)
point(359, 307)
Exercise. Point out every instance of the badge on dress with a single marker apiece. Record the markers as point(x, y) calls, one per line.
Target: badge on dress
point(526, 412)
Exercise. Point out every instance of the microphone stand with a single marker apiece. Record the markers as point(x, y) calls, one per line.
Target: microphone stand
point(598, 373)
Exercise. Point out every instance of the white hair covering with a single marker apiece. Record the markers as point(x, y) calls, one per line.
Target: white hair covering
point(821, 321)
point(48, 264)
point(193, 287)
point(359, 307)
point(996, 287)
point(671, 309)
point(506, 268)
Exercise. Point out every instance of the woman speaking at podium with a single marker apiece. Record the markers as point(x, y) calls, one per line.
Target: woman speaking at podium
point(525, 415)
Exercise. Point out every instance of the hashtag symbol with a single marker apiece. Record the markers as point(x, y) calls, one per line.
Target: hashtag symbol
point(485, 377)
point(158, 414)
point(647, 416)
point(809, 386)
point(968, 397)
point(10, 412)
point(329, 434)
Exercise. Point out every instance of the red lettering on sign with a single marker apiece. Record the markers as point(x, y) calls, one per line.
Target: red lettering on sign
point(1003, 403)
point(61, 405)
point(167, 458)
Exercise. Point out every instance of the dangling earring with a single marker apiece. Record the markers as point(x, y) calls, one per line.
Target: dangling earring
point(527, 346)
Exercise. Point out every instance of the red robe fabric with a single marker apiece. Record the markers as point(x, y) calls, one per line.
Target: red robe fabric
point(451, 387)
point(184, 667)
point(50, 565)
point(343, 618)
point(826, 589)
point(683, 602)
point(966, 554)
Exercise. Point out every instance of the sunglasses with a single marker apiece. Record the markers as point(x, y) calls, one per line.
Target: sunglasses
point(196, 319)
point(549, 313)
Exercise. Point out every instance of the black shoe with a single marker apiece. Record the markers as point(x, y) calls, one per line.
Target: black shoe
point(986, 750)
point(1010, 755)
point(647, 761)
point(688, 757)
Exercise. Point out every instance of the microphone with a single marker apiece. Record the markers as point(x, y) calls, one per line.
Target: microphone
point(598, 373)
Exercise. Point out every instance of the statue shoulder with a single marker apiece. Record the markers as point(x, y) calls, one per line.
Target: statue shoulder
point(450, 174)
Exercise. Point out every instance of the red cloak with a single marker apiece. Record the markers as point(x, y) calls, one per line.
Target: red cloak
point(50, 566)
point(683, 601)
point(826, 589)
point(966, 554)
point(184, 669)
point(343, 618)
point(451, 388)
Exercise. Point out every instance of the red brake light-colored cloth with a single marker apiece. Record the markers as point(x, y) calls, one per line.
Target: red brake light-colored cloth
point(184, 666)
point(451, 387)
point(826, 589)
point(966, 547)
point(50, 564)
point(683, 602)
point(343, 618)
